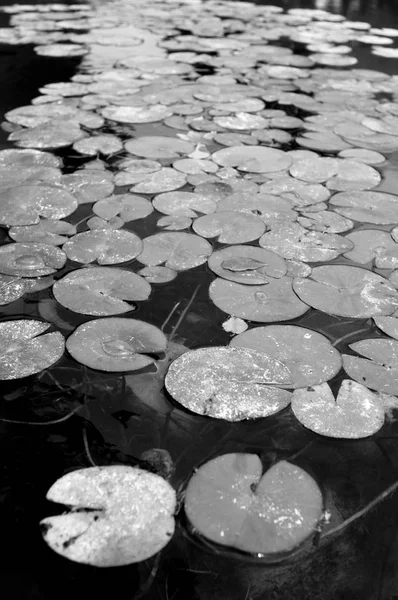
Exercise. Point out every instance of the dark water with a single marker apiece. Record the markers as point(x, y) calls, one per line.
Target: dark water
point(114, 424)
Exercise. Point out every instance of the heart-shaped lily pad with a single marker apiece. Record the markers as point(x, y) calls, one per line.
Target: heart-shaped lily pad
point(229, 383)
point(185, 204)
point(379, 369)
point(30, 259)
point(107, 246)
point(309, 355)
point(355, 413)
point(129, 207)
point(347, 291)
point(230, 502)
point(24, 351)
point(116, 344)
point(178, 250)
point(230, 227)
point(100, 291)
point(247, 264)
point(274, 301)
point(25, 204)
point(118, 515)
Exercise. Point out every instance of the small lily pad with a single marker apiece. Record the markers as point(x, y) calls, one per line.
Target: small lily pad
point(156, 147)
point(178, 250)
point(230, 227)
point(247, 264)
point(165, 180)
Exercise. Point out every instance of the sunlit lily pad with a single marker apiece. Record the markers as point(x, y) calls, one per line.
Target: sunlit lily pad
point(379, 369)
point(247, 264)
point(271, 209)
point(11, 288)
point(165, 180)
point(309, 355)
point(105, 246)
point(253, 159)
point(355, 413)
point(100, 291)
point(117, 515)
point(388, 324)
point(366, 206)
point(274, 301)
point(347, 292)
point(25, 204)
point(14, 157)
point(178, 250)
point(137, 114)
point(156, 147)
point(54, 134)
point(129, 207)
point(30, 259)
point(47, 231)
point(24, 351)
point(231, 502)
point(116, 344)
point(325, 221)
point(228, 383)
point(374, 244)
point(174, 223)
point(89, 185)
point(185, 204)
point(230, 227)
point(100, 144)
point(158, 274)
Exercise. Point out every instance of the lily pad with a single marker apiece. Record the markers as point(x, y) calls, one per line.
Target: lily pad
point(156, 147)
point(47, 231)
point(158, 274)
point(137, 114)
point(274, 301)
point(115, 344)
point(174, 223)
point(229, 383)
point(374, 244)
point(230, 227)
point(230, 502)
point(178, 250)
point(388, 324)
point(186, 204)
point(271, 209)
point(30, 259)
point(129, 207)
point(51, 135)
point(366, 206)
point(247, 264)
point(309, 355)
point(100, 144)
point(25, 204)
point(100, 291)
point(253, 159)
point(24, 351)
point(105, 246)
point(118, 515)
point(379, 369)
point(89, 185)
point(11, 288)
point(347, 292)
point(356, 412)
point(165, 180)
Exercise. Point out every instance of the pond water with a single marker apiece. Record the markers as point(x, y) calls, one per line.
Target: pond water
point(68, 409)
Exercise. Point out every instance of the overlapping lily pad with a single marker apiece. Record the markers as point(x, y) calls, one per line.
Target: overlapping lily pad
point(252, 159)
point(129, 207)
point(230, 227)
point(30, 259)
point(379, 369)
point(177, 250)
point(25, 204)
point(247, 264)
point(105, 246)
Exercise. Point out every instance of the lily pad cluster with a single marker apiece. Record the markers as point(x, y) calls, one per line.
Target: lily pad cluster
point(205, 142)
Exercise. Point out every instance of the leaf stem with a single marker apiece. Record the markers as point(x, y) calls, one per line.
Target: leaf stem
point(61, 420)
point(349, 335)
point(184, 313)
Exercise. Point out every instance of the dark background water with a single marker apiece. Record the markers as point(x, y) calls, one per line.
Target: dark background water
point(116, 426)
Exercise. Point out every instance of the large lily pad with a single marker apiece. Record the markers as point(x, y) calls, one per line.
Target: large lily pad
point(229, 383)
point(379, 369)
point(230, 502)
point(30, 259)
point(119, 515)
point(178, 250)
point(247, 264)
point(52, 135)
point(374, 244)
point(137, 114)
point(165, 180)
point(25, 204)
point(365, 206)
point(271, 209)
point(106, 246)
point(100, 291)
point(155, 147)
point(309, 355)
point(253, 159)
point(24, 351)
point(186, 204)
point(47, 231)
point(347, 292)
point(355, 413)
point(116, 344)
point(230, 227)
point(275, 301)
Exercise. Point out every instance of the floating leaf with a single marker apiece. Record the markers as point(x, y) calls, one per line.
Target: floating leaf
point(185, 204)
point(30, 259)
point(380, 372)
point(118, 515)
point(24, 351)
point(388, 324)
point(325, 221)
point(228, 383)
point(47, 231)
point(129, 207)
point(369, 207)
point(178, 250)
point(175, 223)
point(347, 292)
point(17, 158)
point(272, 302)
point(165, 180)
point(89, 185)
point(51, 135)
point(115, 344)
point(100, 144)
point(158, 274)
point(230, 502)
point(230, 227)
point(235, 325)
point(157, 147)
point(11, 288)
point(100, 291)
point(105, 246)
point(25, 204)
point(247, 264)
point(137, 114)
point(255, 159)
point(373, 244)
point(309, 356)
point(355, 413)
point(269, 208)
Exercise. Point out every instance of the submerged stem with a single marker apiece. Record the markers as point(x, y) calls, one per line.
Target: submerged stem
point(55, 422)
point(349, 335)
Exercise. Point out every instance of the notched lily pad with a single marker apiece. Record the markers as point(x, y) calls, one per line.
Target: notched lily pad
point(178, 250)
point(106, 246)
point(247, 264)
point(25, 204)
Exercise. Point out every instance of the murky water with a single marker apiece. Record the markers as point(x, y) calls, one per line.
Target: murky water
point(117, 417)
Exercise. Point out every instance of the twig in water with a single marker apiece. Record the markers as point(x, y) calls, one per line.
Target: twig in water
point(349, 335)
point(184, 313)
point(87, 449)
point(55, 422)
point(171, 313)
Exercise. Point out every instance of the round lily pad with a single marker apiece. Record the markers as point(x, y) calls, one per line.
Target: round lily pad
point(156, 147)
point(25, 204)
point(25, 351)
point(30, 259)
point(129, 207)
point(99, 144)
point(355, 413)
point(158, 274)
point(165, 180)
point(247, 264)
point(366, 206)
point(105, 246)
point(47, 231)
point(15, 157)
point(253, 159)
point(11, 288)
point(100, 291)
point(229, 501)
point(187, 204)
point(51, 135)
point(137, 114)
point(229, 383)
point(379, 369)
point(117, 515)
point(116, 344)
point(268, 207)
point(347, 291)
point(230, 227)
point(178, 250)
point(275, 301)
point(309, 355)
